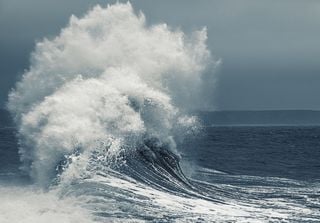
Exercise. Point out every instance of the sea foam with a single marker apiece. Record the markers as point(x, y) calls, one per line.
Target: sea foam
point(108, 79)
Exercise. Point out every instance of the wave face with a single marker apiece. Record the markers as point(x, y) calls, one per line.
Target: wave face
point(104, 87)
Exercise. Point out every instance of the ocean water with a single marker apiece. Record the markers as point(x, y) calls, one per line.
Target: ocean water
point(228, 174)
point(101, 133)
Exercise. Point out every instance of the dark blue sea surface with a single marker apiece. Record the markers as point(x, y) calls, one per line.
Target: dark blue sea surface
point(261, 173)
point(9, 157)
point(291, 152)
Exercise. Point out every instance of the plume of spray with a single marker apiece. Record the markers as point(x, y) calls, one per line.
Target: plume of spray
point(107, 79)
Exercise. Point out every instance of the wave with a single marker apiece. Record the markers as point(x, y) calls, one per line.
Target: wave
point(108, 85)
point(101, 112)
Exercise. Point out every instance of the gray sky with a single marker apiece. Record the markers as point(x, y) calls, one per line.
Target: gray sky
point(270, 48)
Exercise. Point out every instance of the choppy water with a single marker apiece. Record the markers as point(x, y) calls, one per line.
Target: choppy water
point(234, 174)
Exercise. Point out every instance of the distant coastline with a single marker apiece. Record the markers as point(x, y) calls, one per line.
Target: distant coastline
point(237, 118)
point(262, 117)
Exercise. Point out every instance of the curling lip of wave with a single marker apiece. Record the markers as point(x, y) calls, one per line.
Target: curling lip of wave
point(106, 84)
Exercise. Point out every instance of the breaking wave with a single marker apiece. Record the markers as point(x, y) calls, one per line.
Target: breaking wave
point(106, 87)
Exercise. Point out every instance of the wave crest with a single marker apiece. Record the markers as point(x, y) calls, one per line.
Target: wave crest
point(107, 79)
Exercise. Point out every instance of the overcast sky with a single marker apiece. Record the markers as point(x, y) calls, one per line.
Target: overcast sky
point(270, 48)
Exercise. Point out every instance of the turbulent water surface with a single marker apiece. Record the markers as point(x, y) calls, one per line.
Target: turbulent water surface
point(101, 133)
point(241, 174)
